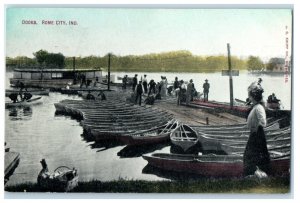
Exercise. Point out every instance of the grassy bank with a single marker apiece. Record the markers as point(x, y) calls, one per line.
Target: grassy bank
point(267, 186)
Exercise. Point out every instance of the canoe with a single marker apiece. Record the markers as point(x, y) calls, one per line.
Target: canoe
point(240, 149)
point(184, 136)
point(215, 144)
point(271, 124)
point(115, 133)
point(63, 179)
point(216, 166)
point(153, 136)
point(26, 103)
point(240, 110)
point(243, 134)
point(31, 91)
point(222, 106)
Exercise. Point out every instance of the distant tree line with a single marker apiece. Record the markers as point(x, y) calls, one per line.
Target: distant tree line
point(174, 61)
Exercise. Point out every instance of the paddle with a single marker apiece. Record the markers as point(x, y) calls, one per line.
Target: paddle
point(34, 99)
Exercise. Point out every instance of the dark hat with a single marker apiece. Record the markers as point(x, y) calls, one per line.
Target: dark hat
point(181, 81)
point(191, 80)
point(145, 75)
point(206, 79)
point(136, 74)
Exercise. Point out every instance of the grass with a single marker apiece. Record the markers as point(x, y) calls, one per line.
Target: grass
point(268, 186)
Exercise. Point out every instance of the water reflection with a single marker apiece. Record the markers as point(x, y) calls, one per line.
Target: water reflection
point(105, 145)
point(137, 151)
point(172, 175)
point(21, 113)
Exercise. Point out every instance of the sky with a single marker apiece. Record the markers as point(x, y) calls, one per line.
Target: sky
point(133, 31)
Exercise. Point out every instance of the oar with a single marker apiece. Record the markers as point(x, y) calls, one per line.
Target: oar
point(34, 99)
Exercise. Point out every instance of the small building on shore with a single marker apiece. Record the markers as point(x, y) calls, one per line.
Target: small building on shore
point(53, 78)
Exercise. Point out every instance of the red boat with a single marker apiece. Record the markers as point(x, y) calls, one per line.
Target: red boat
point(237, 109)
point(211, 165)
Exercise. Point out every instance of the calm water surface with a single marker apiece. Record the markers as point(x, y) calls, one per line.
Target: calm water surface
point(38, 133)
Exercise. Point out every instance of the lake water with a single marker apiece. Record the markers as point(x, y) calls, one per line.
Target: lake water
point(38, 133)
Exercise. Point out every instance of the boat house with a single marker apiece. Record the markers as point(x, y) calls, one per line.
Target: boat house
point(53, 78)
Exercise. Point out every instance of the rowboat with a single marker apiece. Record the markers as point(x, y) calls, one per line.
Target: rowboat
point(210, 143)
point(212, 165)
point(29, 90)
point(240, 149)
point(113, 133)
point(273, 105)
point(152, 136)
point(240, 110)
point(63, 179)
point(25, 103)
point(184, 136)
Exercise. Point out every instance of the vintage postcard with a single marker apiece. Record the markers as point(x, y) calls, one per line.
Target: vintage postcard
point(137, 99)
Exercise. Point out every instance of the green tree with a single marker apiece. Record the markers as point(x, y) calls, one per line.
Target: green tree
point(255, 63)
point(41, 56)
point(273, 62)
point(57, 60)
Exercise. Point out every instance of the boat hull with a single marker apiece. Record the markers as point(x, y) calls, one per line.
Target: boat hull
point(210, 168)
point(27, 103)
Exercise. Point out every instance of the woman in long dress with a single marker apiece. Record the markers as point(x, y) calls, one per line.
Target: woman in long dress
point(256, 153)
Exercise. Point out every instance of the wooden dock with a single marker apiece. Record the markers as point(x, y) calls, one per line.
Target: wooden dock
point(11, 161)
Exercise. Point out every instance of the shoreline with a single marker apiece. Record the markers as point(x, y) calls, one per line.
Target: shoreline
point(272, 185)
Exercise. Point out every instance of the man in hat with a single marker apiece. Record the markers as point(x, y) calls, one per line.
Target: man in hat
point(152, 85)
point(124, 82)
point(206, 87)
point(134, 82)
point(259, 81)
point(90, 96)
point(189, 92)
point(145, 84)
point(176, 85)
point(139, 91)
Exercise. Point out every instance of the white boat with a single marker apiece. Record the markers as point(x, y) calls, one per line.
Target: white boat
point(63, 179)
point(184, 136)
point(25, 103)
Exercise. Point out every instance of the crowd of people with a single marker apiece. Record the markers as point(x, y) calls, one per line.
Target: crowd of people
point(184, 91)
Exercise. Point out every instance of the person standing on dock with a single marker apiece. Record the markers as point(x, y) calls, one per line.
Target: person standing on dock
point(189, 92)
point(152, 85)
point(134, 83)
point(256, 152)
point(176, 85)
point(206, 87)
point(145, 84)
point(139, 90)
point(124, 82)
point(83, 80)
point(181, 93)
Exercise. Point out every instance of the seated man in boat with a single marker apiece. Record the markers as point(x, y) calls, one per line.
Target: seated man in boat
point(273, 99)
point(89, 96)
point(150, 100)
point(27, 96)
point(13, 97)
point(102, 95)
